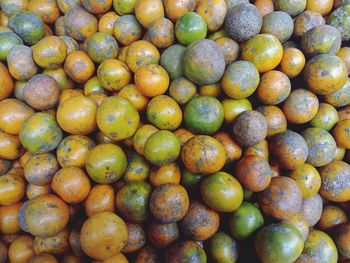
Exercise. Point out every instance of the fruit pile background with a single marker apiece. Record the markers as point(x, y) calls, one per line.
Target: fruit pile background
point(174, 131)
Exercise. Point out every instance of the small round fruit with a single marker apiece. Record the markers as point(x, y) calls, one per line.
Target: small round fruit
point(40, 168)
point(79, 66)
point(320, 247)
point(326, 117)
point(113, 74)
point(103, 235)
point(162, 235)
point(190, 27)
point(293, 62)
point(203, 115)
point(222, 192)
point(297, 112)
point(106, 163)
point(282, 199)
point(200, 222)
point(245, 221)
point(162, 148)
point(117, 118)
point(203, 155)
point(278, 243)
point(185, 251)
point(308, 179)
point(223, 248)
point(249, 128)
point(169, 203)
point(44, 216)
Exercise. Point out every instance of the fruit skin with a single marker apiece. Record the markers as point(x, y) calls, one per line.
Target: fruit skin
point(203, 155)
point(332, 216)
point(203, 115)
point(240, 80)
point(40, 133)
point(243, 21)
point(56, 244)
point(127, 29)
point(164, 113)
point(79, 66)
point(8, 40)
point(21, 63)
point(264, 51)
point(282, 199)
point(103, 235)
point(276, 121)
point(21, 249)
point(223, 248)
point(41, 92)
point(306, 21)
point(117, 118)
point(339, 18)
point(113, 74)
point(51, 210)
point(341, 97)
point(6, 82)
point(72, 184)
point(253, 172)
point(141, 53)
point(132, 201)
point(172, 61)
point(249, 128)
point(169, 203)
point(123, 7)
point(245, 221)
point(12, 189)
point(185, 251)
point(293, 7)
point(80, 24)
point(27, 26)
point(278, 243)
point(222, 192)
point(300, 223)
point(101, 46)
point(297, 112)
point(50, 52)
point(311, 209)
point(293, 62)
point(213, 12)
point(148, 11)
point(204, 64)
point(136, 238)
point(40, 168)
point(106, 163)
point(325, 74)
point(321, 39)
point(151, 80)
point(162, 235)
point(13, 113)
point(342, 239)
point(308, 179)
point(190, 28)
point(200, 222)
point(341, 134)
point(162, 148)
point(321, 146)
point(326, 117)
point(320, 247)
point(279, 24)
point(334, 186)
point(182, 90)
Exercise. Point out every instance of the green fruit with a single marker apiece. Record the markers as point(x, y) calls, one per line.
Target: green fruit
point(190, 28)
point(106, 163)
point(326, 117)
point(40, 133)
point(101, 46)
point(245, 221)
point(320, 247)
point(321, 39)
point(7, 41)
point(132, 201)
point(292, 7)
point(223, 248)
point(28, 26)
point(123, 7)
point(222, 192)
point(172, 61)
point(190, 180)
point(278, 243)
point(162, 148)
point(204, 115)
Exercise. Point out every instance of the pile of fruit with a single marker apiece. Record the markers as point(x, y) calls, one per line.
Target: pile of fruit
point(174, 131)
